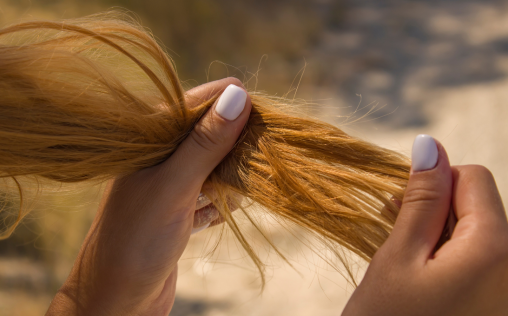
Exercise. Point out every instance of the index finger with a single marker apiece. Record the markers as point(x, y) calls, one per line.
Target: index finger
point(476, 194)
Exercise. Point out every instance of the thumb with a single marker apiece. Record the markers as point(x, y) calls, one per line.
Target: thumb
point(426, 202)
point(212, 138)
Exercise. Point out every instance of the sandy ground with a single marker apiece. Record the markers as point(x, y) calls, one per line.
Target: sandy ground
point(438, 67)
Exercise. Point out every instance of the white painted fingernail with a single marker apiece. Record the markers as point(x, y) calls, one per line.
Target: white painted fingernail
point(231, 102)
point(198, 229)
point(424, 156)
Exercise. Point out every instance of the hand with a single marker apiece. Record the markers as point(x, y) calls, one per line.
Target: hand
point(468, 275)
point(128, 262)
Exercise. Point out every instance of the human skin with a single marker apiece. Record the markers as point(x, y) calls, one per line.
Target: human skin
point(127, 264)
point(468, 275)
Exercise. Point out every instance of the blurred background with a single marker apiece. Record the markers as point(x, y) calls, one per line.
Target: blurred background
point(381, 70)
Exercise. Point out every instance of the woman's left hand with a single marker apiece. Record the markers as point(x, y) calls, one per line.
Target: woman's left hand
point(127, 264)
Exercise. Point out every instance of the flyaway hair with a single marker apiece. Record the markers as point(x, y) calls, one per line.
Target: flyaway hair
point(97, 98)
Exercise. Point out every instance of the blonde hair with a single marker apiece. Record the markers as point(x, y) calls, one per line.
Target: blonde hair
point(96, 98)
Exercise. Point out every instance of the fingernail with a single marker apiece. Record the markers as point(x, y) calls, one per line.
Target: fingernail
point(424, 155)
point(202, 201)
point(198, 229)
point(231, 102)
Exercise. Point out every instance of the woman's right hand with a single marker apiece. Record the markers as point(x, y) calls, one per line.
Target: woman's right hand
point(468, 275)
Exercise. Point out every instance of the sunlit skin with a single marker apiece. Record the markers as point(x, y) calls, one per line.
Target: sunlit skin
point(468, 275)
point(128, 262)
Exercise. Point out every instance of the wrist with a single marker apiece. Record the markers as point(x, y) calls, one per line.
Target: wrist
point(62, 304)
point(81, 298)
point(77, 299)
point(68, 301)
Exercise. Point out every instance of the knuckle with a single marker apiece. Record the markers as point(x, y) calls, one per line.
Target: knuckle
point(421, 194)
point(474, 175)
point(477, 171)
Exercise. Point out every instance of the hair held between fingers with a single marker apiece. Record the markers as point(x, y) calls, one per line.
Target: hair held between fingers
point(97, 98)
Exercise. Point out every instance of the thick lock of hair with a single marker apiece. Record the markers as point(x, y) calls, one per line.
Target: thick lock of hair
point(97, 98)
